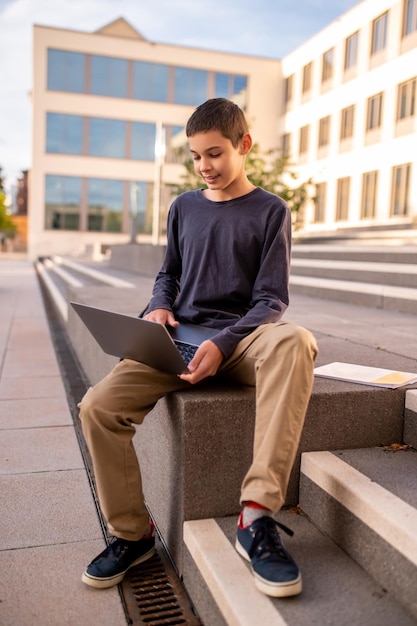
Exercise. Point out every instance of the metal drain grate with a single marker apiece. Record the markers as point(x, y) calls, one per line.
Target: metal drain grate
point(158, 594)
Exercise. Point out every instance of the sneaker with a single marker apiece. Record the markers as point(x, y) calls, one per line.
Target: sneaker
point(109, 567)
point(274, 570)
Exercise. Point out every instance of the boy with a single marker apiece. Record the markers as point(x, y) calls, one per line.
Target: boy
point(226, 267)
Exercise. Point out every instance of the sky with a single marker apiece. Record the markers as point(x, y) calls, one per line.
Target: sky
point(266, 28)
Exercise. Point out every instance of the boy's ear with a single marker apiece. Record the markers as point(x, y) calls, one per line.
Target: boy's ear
point(245, 143)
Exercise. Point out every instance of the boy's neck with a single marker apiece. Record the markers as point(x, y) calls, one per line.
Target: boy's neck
point(237, 191)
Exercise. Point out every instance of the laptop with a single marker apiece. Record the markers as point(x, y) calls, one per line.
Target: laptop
point(126, 336)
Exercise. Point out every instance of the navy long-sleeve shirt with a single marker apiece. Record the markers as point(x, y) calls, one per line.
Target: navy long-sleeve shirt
point(226, 264)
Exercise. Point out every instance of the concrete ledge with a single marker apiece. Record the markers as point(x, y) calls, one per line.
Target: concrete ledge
point(195, 446)
point(410, 418)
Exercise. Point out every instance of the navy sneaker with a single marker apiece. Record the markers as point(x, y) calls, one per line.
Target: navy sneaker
point(110, 566)
point(275, 572)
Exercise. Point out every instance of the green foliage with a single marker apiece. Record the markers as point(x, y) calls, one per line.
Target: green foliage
point(2, 187)
point(7, 226)
point(271, 171)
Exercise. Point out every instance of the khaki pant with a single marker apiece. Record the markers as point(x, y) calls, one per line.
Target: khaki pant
point(276, 358)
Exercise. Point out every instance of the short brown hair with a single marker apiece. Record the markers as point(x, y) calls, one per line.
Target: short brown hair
point(218, 114)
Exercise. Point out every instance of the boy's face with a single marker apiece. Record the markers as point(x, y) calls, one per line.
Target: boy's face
point(220, 164)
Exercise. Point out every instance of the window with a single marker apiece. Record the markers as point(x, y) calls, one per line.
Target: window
point(62, 202)
point(227, 85)
point(105, 204)
point(379, 33)
point(107, 138)
point(150, 81)
point(66, 71)
point(108, 76)
point(143, 135)
point(406, 105)
point(304, 139)
point(400, 190)
point(369, 191)
point(347, 117)
point(320, 202)
point(351, 51)
point(324, 131)
point(141, 205)
point(342, 200)
point(190, 86)
point(286, 144)
point(288, 91)
point(64, 134)
point(410, 17)
point(307, 77)
point(374, 113)
point(328, 65)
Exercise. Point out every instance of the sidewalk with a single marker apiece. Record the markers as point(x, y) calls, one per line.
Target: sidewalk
point(50, 528)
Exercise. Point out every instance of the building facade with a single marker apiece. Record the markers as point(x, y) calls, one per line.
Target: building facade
point(109, 110)
point(350, 117)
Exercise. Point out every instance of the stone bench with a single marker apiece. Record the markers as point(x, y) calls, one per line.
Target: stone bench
point(195, 446)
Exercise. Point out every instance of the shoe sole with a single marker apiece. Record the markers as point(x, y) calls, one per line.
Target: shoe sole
point(112, 581)
point(275, 590)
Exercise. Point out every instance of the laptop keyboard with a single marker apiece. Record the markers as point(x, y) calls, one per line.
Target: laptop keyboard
point(186, 350)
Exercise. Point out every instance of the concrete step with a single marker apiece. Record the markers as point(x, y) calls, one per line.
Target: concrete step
point(336, 590)
point(365, 500)
point(398, 274)
point(383, 277)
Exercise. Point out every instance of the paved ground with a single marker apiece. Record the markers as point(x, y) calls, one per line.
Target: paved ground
point(49, 525)
point(50, 528)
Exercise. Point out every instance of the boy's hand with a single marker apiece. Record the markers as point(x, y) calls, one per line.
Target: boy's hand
point(205, 362)
point(162, 316)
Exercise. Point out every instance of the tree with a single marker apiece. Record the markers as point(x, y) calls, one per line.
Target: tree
point(270, 170)
point(2, 185)
point(7, 226)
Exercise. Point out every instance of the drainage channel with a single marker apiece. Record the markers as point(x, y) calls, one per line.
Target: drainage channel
point(152, 594)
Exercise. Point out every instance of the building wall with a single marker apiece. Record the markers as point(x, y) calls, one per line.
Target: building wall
point(264, 79)
point(381, 149)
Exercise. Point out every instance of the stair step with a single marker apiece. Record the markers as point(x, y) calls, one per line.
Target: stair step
point(336, 590)
point(390, 297)
point(366, 501)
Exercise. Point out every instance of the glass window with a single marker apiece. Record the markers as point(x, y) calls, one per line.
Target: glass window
point(374, 114)
point(346, 122)
point(410, 17)
point(190, 86)
point(307, 77)
point(327, 67)
point(222, 85)
point(369, 192)
point(342, 201)
point(105, 204)
point(239, 84)
point(400, 190)
point(66, 71)
point(304, 139)
point(286, 144)
point(324, 131)
point(320, 202)
point(62, 202)
point(107, 138)
point(64, 134)
point(150, 81)
point(351, 51)
point(141, 206)
point(288, 91)
point(379, 33)
point(143, 141)
point(108, 76)
point(175, 142)
point(406, 105)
